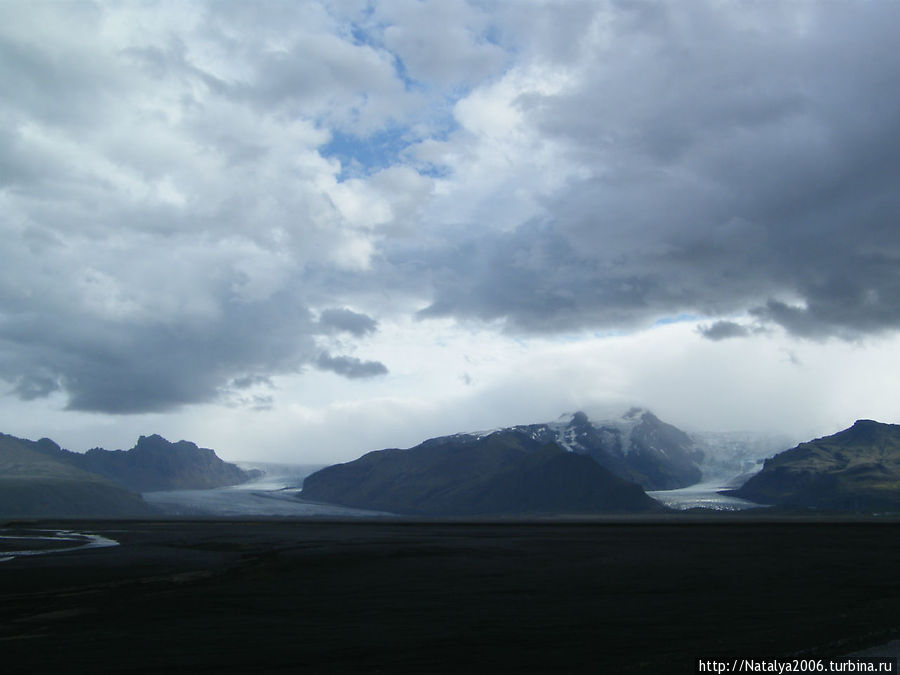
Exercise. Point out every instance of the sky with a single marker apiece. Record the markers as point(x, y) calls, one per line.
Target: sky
point(300, 231)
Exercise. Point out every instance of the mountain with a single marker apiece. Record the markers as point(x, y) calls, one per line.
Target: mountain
point(33, 484)
point(154, 464)
point(637, 447)
point(505, 472)
point(857, 469)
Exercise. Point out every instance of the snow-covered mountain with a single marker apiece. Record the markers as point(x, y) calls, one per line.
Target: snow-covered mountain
point(636, 446)
point(571, 465)
point(640, 447)
point(505, 472)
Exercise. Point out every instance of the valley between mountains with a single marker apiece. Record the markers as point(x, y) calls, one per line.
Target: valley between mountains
point(572, 466)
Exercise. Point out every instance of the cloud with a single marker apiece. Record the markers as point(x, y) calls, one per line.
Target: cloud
point(350, 367)
point(193, 195)
point(718, 161)
point(163, 197)
point(343, 319)
point(443, 42)
point(154, 365)
point(723, 330)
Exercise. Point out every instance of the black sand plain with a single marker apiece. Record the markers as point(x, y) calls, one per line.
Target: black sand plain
point(596, 595)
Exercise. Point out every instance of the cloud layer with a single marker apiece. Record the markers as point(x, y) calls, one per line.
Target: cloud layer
point(197, 198)
point(742, 158)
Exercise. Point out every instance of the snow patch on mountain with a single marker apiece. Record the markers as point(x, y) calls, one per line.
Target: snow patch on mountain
point(638, 446)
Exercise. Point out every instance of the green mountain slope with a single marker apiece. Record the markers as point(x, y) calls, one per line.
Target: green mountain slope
point(857, 469)
point(35, 485)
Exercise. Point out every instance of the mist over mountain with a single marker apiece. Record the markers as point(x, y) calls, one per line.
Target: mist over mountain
point(636, 446)
point(857, 469)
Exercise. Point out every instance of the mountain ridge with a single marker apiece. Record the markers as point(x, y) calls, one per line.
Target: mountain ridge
point(503, 473)
point(33, 484)
point(154, 463)
point(40, 478)
point(570, 465)
point(857, 469)
point(637, 446)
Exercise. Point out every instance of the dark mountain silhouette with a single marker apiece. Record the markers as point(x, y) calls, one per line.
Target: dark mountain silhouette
point(153, 464)
point(506, 472)
point(857, 469)
point(637, 447)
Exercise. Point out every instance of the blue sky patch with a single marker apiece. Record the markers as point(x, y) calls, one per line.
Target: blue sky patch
point(363, 156)
point(680, 318)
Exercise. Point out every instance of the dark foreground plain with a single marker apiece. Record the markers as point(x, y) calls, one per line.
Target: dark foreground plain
point(444, 597)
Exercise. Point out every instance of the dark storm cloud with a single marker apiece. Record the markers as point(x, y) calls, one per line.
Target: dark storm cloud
point(124, 367)
point(743, 158)
point(723, 330)
point(247, 381)
point(349, 366)
point(535, 278)
point(343, 319)
point(157, 366)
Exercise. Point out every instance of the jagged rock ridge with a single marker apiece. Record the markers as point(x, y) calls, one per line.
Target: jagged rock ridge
point(154, 464)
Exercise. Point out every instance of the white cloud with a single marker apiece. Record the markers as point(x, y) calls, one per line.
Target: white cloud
point(441, 42)
point(753, 384)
